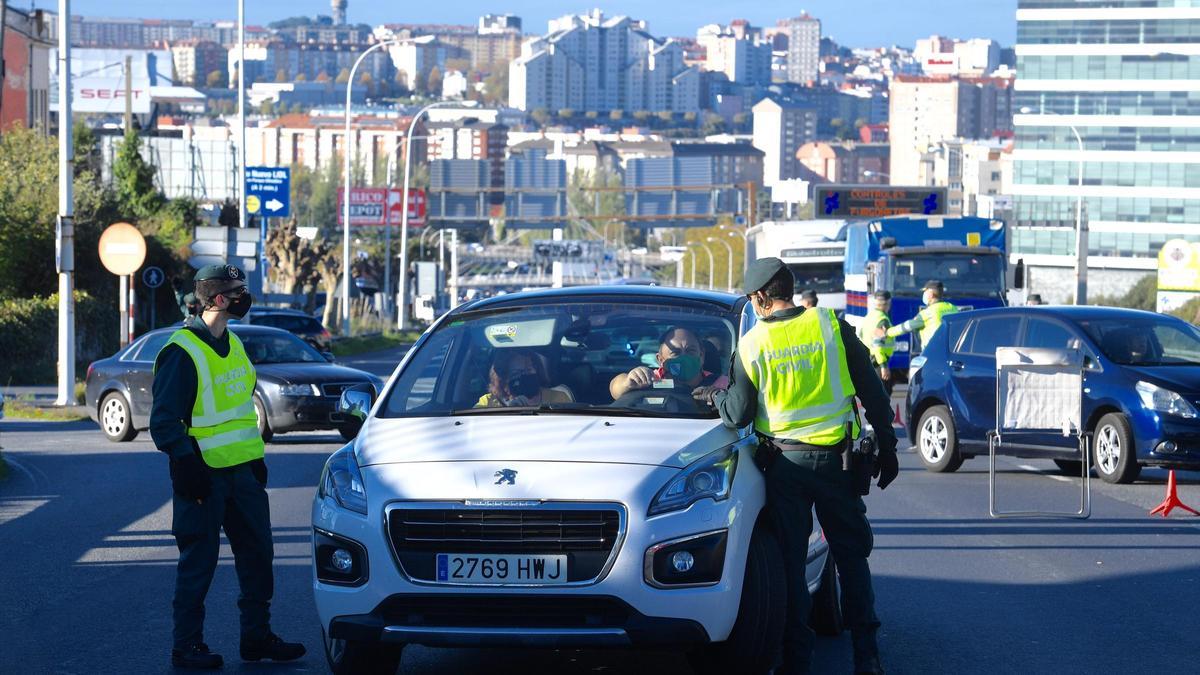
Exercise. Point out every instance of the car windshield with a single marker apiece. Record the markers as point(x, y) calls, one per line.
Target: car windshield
point(819, 277)
point(292, 323)
point(575, 357)
point(962, 274)
point(264, 348)
point(1146, 342)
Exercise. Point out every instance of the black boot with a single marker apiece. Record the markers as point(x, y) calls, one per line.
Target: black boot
point(866, 653)
point(196, 657)
point(272, 648)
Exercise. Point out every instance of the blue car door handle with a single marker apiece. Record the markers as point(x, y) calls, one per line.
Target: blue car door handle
point(957, 365)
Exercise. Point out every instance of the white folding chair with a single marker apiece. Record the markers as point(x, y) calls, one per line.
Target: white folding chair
point(1039, 391)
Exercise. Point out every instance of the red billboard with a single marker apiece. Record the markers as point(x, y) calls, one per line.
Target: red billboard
point(14, 108)
point(381, 206)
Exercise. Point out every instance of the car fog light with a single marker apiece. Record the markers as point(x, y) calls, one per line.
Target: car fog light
point(342, 560)
point(1167, 446)
point(682, 561)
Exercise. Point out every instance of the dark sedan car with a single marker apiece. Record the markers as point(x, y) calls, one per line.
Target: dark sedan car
point(297, 390)
point(293, 321)
point(1141, 390)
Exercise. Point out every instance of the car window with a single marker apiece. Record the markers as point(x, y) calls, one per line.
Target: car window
point(989, 333)
point(278, 348)
point(1044, 334)
point(291, 323)
point(1146, 340)
point(150, 347)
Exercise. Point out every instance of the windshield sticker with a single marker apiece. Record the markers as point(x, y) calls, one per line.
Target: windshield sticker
point(504, 333)
point(655, 400)
point(665, 384)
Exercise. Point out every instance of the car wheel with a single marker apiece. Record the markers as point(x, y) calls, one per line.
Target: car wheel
point(264, 425)
point(115, 419)
point(826, 618)
point(1113, 453)
point(937, 441)
point(1070, 467)
point(752, 646)
point(347, 657)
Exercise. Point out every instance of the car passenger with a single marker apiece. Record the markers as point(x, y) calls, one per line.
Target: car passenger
point(1129, 346)
point(680, 358)
point(518, 378)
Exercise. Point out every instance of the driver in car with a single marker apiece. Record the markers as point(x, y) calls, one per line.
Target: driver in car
point(680, 359)
point(517, 378)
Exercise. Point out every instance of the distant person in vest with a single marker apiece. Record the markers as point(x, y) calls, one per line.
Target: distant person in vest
point(203, 418)
point(795, 377)
point(881, 348)
point(929, 319)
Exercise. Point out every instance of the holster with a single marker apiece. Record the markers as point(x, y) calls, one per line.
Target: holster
point(858, 459)
point(766, 453)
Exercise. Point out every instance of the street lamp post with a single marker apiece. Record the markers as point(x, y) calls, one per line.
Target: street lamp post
point(711, 264)
point(1081, 233)
point(346, 146)
point(402, 309)
point(729, 269)
point(65, 238)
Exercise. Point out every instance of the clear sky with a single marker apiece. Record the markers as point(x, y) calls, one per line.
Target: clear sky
point(855, 23)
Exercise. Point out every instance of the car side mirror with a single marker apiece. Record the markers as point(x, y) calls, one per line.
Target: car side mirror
point(328, 356)
point(356, 401)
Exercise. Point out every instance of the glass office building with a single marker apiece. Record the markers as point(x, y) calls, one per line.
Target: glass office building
point(1126, 75)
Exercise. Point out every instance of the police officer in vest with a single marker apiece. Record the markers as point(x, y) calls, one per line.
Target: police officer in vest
point(880, 348)
point(795, 377)
point(929, 319)
point(203, 417)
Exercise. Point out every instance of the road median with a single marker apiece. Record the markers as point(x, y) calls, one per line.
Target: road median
point(373, 342)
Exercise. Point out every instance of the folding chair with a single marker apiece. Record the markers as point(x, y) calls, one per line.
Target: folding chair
point(1039, 391)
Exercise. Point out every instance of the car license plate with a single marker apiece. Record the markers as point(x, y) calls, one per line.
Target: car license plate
point(472, 568)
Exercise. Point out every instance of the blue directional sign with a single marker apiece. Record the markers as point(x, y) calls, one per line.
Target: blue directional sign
point(152, 277)
point(268, 191)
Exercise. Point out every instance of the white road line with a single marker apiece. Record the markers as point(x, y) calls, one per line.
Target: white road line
point(1034, 469)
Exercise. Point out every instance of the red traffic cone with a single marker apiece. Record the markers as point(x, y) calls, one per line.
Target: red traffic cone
point(898, 421)
point(1172, 501)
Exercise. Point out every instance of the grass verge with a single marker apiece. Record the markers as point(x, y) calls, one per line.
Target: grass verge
point(361, 344)
point(24, 410)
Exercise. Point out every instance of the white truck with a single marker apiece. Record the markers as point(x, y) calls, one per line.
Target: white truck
point(814, 250)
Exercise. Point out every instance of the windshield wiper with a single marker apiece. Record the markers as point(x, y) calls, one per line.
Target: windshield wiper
point(570, 409)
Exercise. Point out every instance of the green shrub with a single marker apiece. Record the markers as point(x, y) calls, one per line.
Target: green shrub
point(29, 337)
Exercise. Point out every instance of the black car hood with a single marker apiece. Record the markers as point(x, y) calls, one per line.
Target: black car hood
point(1179, 379)
point(315, 373)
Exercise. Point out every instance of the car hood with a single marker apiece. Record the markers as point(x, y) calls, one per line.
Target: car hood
point(1179, 379)
point(316, 373)
point(547, 438)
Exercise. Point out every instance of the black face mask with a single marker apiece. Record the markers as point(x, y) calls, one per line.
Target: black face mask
point(240, 305)
point(524, 384)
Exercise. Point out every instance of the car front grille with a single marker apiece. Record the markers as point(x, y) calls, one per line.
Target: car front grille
point(537, 611)
point(587, 535)
point(335, 389)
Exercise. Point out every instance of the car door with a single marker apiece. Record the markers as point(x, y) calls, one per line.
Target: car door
point(139, 374)
point(973, 371)
point(1048, 333)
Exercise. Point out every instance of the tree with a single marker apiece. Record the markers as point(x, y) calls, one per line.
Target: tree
point(495, 86)
point(294, 261)
point(666, 116)
point(433, 84)
point(741, 122)
point(300, 77)
point(229, 213)
point(690, 118)
point(713, 124)
point(566, 113)
point(1142, 295)
point(133, 178)
point(267, 107)
point(540, 116)
point(281, 75)
point(215, 79)
point(641, 115)
point(323, 77)
point(616, 115)
point(591, 114)
point(343, 77)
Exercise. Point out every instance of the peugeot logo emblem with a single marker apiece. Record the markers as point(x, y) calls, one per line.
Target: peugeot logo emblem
point(506, 477)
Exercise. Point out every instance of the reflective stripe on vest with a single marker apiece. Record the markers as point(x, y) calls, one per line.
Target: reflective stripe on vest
point(224, 421)
point(799, 368)
point(932, 315)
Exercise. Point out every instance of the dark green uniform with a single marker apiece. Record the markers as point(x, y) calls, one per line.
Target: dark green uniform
point(809, 471)
point(238, 504)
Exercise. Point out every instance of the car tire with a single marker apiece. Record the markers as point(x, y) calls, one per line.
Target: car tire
point(826, 618)
point(753, 645)
point(348, 657)
point(1113, 454)
point(1070, 467)
point(937, 441)
point(116, 421)
point(264, 425)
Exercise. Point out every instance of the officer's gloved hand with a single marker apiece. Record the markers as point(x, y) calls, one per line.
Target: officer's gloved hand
point(190, 477)
point(887, 467)
point(259, 468)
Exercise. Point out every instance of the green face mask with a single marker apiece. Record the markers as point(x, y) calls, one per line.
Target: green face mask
point(684, 367)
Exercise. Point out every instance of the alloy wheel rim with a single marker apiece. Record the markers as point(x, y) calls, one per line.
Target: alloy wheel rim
point(934, 439)
point(1108, 449)
point(114, 417)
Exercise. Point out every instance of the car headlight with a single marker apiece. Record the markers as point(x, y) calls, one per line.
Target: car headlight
point(299, 390)
point(709, 477)
point(343, 481)
point(1162, 400)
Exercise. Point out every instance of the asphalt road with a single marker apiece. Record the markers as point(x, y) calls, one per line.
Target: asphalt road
point(87, 564)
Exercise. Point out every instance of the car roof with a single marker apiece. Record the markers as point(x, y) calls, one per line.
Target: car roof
point(1068, 312)
point(279, 310)
point(616, 293)
point(246, 328)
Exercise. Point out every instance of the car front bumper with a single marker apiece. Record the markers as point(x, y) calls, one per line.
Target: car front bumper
point(305, 413)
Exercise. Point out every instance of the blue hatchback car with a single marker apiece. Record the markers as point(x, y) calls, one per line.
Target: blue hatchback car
point(1141, 388)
